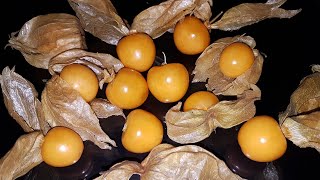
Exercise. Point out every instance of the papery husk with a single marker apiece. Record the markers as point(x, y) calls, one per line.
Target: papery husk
point(58, 31)
point(207, 68)
point(63, 106)
point(249, 13)
point(100, 18)
point(196, 125)
point(103, 65)
point(104, 109)
point(300, 122)
point(158, 19)
point(168, 162)
point(21, 100)
point(22, 157)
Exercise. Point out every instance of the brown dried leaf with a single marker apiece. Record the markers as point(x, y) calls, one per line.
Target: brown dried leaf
point(100, 18)
point(21, 100)
point(58, 31)
point(207, 68)
point(196, 125)
point(63, 106)
point(104, 109)
point(158, 19)
point(22, 157)
point(249, 13)
point(105, 66)
point(168, 162)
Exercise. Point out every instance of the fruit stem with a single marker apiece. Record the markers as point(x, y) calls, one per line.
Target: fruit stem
point(164, 58)
point(214, 19)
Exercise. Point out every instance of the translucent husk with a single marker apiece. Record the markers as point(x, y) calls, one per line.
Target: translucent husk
point(207, 68)
point(168, 162)
point(300, 122)
point(249, 13)
point(195, 125)
point(100, 18)
point(22, 157)
point(103, 65)
point(58, 31)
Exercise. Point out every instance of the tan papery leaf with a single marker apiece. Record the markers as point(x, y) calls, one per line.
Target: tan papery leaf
point(100, 18)
point(63, 106)
point(166, 162)
point(300, 122)
point(249, 13)
point(58, 31)
point(207, 68)
point(22, 157)
point(103, 65)
point(104, 109)
point(21, 100)
point(196, 125)
point(158, 19)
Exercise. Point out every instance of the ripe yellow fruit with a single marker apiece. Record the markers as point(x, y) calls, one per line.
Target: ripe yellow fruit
point(191, 36)
point(137, 51)
point(236, 59)
point(82, 79)
point(61, 147)
point(261, 139)
point(201, 100)
point(142, 132)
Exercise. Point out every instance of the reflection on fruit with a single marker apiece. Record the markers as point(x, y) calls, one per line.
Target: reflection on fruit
point(191, 36)
point(61, 147)
point(236, 59)
point(261, 139)
point(142, 131)
point(201, 100)
point(169, 82)
point(137, 51)
point(82, 79)
point(128, 90)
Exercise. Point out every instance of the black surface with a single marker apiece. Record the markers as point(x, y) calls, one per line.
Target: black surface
point(291, 46)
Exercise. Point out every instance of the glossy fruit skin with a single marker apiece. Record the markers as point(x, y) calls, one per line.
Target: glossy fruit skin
point(82, 79)
point(128, 90)
point(61, 147)
point(261, 139)
point(142, 132)
point(191, 36)
point(169, 82)
point(201, 100)
point(136, 51)
point(236, 59)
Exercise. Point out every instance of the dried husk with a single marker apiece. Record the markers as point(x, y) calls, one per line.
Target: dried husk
point(21, 100)
point(300, 122)
point(196, 125)
point(58, 31)
point(103, 65)
point(249, 13)
point(63, 106)
point(100, 18)
point(158, 19)
point(22, 157)
point(168, 162)
point(104, 109)
point(207, 68)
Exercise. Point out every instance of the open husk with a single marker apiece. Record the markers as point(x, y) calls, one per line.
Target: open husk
point(58, 31)
point(196, 125)
point(168, 162)
point(63, 106)
point(207, 68)
point(104, 109)
point(103, 65)
point(249, 13)
point(100, 18)
point(300, 122)
point(23, 156)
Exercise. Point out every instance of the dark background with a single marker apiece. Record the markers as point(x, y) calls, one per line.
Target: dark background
point(291, 46)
